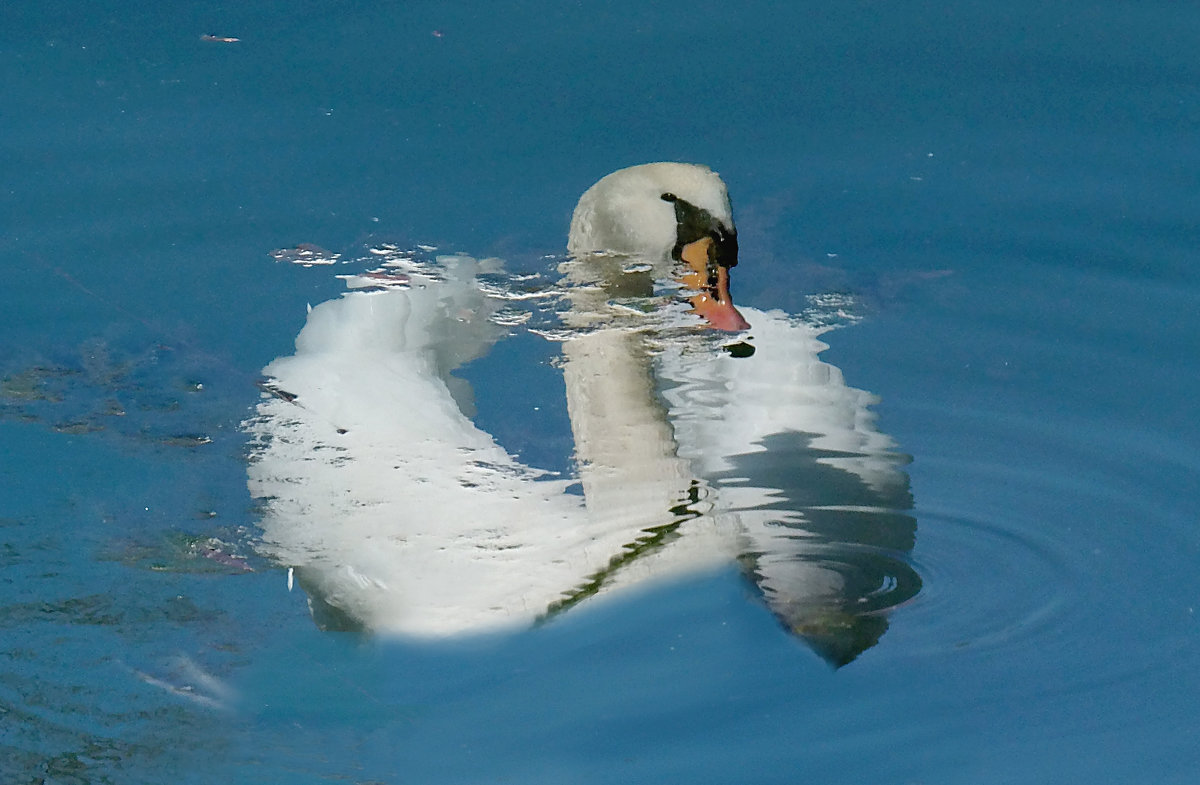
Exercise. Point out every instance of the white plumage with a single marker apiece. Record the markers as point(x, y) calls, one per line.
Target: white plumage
point(400, 515)
point(624, 212)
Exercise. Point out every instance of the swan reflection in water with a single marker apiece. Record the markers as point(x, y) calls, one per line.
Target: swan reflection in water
point(695, 447)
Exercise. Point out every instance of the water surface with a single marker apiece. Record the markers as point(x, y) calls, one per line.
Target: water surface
point(1005, 194)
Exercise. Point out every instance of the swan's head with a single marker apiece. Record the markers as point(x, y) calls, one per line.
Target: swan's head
point(707, 250)
point(675, 216)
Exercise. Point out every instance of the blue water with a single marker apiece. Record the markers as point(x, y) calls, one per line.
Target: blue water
point(1008, 194)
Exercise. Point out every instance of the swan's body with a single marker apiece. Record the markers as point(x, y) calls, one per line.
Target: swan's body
point(377, 479)
point(402, 516)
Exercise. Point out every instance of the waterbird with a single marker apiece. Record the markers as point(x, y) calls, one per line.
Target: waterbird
point(399, 515)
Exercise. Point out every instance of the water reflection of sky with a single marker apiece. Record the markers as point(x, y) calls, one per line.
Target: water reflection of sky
point(1013, 210)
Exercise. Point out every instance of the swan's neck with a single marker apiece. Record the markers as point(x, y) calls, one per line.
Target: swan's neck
point(624, 444)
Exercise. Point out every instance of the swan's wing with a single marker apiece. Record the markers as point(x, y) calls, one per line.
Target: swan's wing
point(399, 514)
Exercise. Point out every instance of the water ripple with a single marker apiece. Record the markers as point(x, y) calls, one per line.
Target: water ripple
point(986, 586)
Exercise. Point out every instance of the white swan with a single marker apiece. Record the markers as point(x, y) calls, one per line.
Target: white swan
point(401, 516)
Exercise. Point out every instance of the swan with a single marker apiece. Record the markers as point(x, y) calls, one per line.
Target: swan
point(397, 514)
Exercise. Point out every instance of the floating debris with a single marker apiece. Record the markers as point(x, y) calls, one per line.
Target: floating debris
point(219, 552)
point(183, 553)
point(185, 440)
point(33, 384)
point(220, 39)
point(75, 428)
point(306, 255)
point(120, 389)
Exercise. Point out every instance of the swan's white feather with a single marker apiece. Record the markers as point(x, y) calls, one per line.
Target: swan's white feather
point(400, 513)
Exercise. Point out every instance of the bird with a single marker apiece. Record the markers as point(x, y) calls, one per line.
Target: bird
point(700, 441)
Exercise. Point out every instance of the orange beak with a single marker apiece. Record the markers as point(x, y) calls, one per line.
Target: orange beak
point(714, 304)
